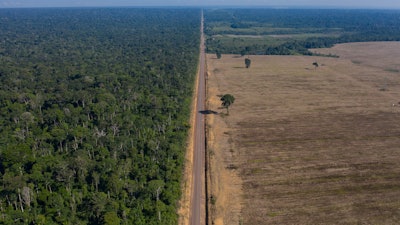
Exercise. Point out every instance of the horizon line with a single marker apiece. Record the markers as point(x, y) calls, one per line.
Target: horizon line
point(208, 7)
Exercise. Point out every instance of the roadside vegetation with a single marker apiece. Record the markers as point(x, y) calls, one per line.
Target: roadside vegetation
point(94, 108)
point(294, 31)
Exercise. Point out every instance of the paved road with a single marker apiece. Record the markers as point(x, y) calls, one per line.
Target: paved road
point(197, 202)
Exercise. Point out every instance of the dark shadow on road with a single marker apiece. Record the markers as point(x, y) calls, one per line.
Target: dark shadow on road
point(208, 112)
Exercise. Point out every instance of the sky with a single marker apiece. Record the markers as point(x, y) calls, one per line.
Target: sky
point(378, 4)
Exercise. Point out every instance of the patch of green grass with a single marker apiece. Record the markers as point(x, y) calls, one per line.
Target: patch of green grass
point(213, 200)
point(256, 171)
point(340, 192)
point(232, 167)
point(392, 70)
point(256, 161)
point(272, 214)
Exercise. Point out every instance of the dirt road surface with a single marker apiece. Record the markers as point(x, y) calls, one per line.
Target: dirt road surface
point(197, 201)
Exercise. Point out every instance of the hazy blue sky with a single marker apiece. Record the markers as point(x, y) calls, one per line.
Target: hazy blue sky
point(283, 3)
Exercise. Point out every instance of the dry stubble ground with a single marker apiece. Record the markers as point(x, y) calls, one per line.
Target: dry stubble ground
point(305, 146)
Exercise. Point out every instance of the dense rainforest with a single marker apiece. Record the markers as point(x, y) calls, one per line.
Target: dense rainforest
point(294, 31)
point(94, 108)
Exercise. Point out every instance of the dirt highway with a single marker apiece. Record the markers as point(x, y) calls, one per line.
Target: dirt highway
point(197, 214)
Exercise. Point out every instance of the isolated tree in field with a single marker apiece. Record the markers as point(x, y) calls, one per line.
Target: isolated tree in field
point(227, 100)
point(315, 64)
point(247, 61)
point(218, 54)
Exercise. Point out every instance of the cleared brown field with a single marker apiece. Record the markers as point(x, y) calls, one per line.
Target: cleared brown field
point(306, 146)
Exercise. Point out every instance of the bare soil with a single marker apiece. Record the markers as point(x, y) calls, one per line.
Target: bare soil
point(304, 145)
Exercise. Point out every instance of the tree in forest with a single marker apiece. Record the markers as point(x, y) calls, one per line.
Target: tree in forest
point(227, 100)
point(315, 64)
point(89, 136)
point(27, 118)
point(111, 218)
point(243, 52)
point(247, 61)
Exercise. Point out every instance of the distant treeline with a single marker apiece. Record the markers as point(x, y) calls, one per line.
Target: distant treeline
point(344, 25)
point(94, 109)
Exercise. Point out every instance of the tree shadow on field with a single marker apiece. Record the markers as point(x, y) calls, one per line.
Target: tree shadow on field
point(208, 112)
point(310, 69)
point(237, 56)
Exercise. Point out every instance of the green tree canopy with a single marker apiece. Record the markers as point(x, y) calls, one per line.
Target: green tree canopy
point(247, 61)
point(315, 64)
point(227, 100)
point(94, 114)
point(218, 54)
